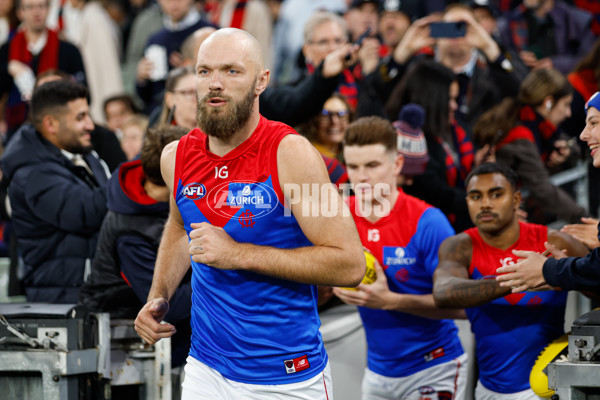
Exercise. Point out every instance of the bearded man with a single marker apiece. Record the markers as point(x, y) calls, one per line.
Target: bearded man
point(254, 260)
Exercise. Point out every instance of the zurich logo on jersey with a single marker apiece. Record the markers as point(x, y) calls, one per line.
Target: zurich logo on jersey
point(397, 256)
point(194, 191)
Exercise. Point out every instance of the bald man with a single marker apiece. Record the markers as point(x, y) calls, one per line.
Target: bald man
point(255, 257)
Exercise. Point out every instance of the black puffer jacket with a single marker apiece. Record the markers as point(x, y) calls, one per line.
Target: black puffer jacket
point(56, 215)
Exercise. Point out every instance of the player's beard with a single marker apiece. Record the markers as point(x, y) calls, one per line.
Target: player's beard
point(222, 124)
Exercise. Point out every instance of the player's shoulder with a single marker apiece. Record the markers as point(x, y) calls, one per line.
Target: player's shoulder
point(459, 246)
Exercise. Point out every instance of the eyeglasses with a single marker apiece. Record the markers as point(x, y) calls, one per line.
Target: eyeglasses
point(328, 42)
point(328, 115)
point(189, 94)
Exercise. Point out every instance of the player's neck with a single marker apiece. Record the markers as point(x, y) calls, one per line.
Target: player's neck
point(504, 238)
point(221, 147)
point(381, 209)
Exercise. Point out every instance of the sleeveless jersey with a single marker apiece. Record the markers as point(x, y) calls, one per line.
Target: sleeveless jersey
point(406, 245)
point(251, 328)
point(511, 331)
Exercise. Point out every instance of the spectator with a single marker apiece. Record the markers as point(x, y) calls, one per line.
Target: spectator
point(117, 109)
point(288, 35)
point(253, 16)
point(326, 130)
point(394, 21)
point(325, 33)
point(485, 74)
point(412, 145)
point(121, 275)
point(144, 25)
point(523, 133)
point(162, 50)
point(104, 141)
point(465, 278)
point(99, 41)
point(403, 234)
point(179, 105)
point(134, 129)
point(547, 33)
point(363, 15)
point(33, 50)
point(451, 153)
point(57, 190)
point(8, 20)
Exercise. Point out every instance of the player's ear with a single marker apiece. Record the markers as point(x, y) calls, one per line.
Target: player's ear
point(517, 199)
point(263, 81)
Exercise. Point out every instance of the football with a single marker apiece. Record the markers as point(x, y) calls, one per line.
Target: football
point(370, 273)
point(538, 378)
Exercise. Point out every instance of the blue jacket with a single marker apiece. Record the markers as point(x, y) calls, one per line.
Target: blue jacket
point(56, 215)
point(574, 273)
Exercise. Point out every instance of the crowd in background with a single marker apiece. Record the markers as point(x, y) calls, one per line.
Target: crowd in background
point(506, 81)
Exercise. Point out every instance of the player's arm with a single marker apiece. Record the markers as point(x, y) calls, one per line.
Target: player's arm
point(379, 296)
point(336, 259)
point(172, 262)
point(452, 286)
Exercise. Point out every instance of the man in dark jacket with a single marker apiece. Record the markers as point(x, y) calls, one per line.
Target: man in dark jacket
point(57, 192)
point(122, 270)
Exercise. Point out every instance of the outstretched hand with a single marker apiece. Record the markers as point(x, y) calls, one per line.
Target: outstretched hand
point(148, 323)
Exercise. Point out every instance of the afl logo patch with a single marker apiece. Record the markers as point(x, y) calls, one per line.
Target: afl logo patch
point(194, 191)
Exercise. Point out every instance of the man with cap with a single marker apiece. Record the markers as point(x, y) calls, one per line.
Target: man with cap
point(413, 352)
point(567, 273)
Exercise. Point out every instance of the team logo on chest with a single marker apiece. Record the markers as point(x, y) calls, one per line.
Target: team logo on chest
point(193, 191)
point(256, 199)
point(397, 256)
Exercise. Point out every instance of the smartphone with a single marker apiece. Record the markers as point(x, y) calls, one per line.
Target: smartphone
point(362, 37)
point(448, 29)
point(359, 41)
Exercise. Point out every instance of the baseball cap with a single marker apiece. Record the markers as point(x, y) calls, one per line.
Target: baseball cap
point(411, 140)
point(487, 5)
point(393, 6)
point(594, 101)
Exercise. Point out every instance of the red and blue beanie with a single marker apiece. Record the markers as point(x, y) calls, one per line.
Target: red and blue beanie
point(594, 101)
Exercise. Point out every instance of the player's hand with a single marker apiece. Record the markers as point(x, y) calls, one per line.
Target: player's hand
point(148, 321)
point(211, 245)
point(374, 295)
point(586, 232)
point(525, 274)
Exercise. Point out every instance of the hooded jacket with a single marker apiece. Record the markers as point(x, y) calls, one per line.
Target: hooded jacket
point(123, 268)
point(124, 264)
point(57, 210)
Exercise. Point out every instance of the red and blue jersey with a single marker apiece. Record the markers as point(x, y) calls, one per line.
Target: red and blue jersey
point(251, 328)
point(406, 243)
point(511, 331)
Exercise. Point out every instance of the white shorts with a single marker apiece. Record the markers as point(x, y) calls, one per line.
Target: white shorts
point(204, 383)
point(447, 380)
point(483, 393)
